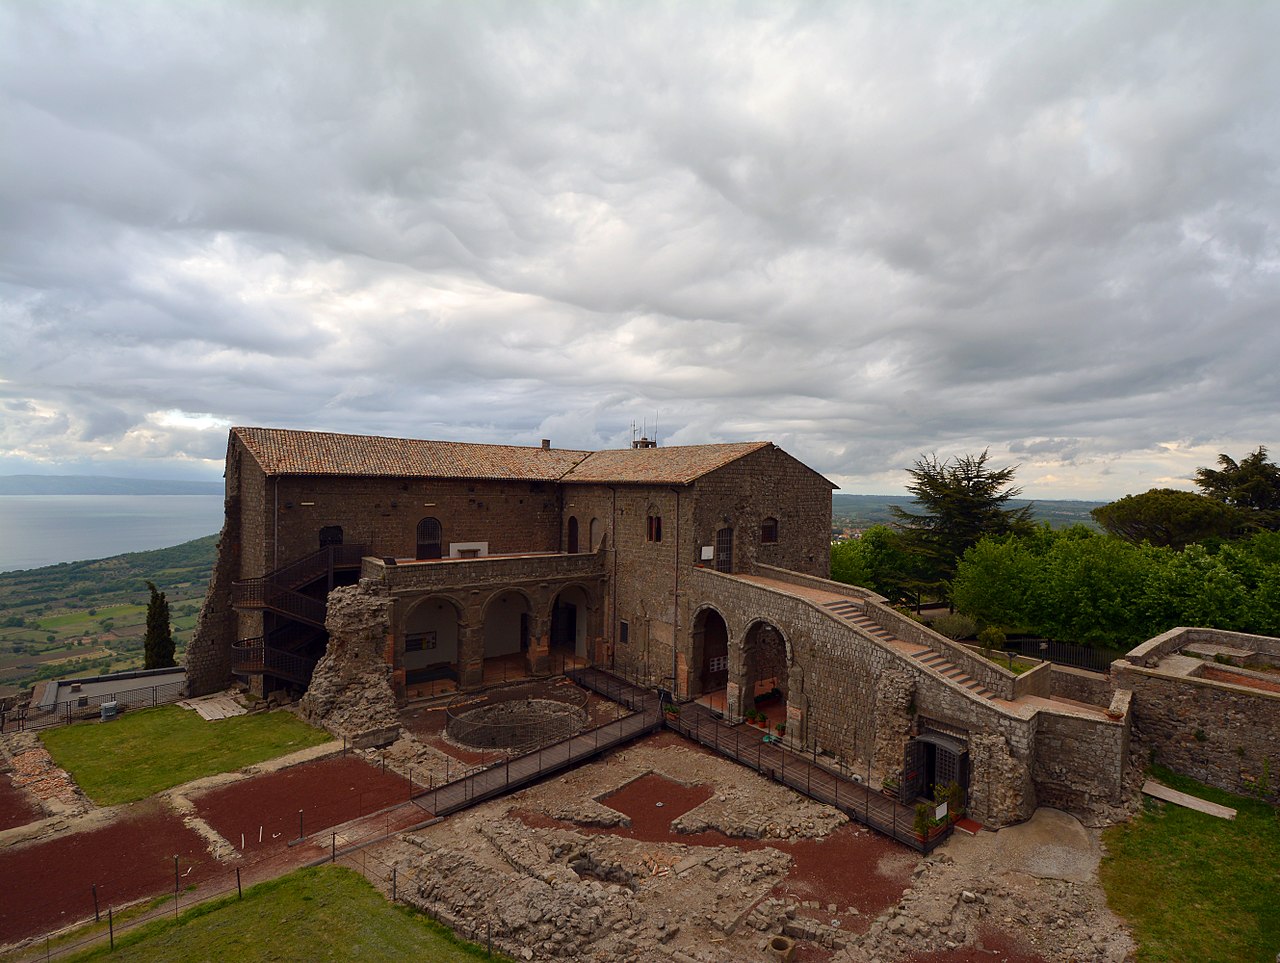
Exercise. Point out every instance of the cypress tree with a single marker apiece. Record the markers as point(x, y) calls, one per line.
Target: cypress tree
point(158, 642)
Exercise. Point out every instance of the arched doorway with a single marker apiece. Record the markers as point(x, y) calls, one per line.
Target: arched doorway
point(572, 546)
point(507, 625)
point(569, 615)
point(764, 670)
point(710, 652)
point(430, 539)
point(431, 641)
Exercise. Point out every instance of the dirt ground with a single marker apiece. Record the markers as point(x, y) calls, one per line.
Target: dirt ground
point(664, 851)
point(17, 808)
point(659, 851)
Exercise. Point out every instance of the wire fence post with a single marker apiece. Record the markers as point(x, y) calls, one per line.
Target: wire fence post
point(97, 917)
point(299, 823)
point(239, 890)
point(111, 930)
point(393, 884)
point(333, 847)
point(175, 884)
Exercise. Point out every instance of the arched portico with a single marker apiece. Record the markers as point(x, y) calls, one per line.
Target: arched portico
point(431, 635)
point(710, 652)
point(572, 617)
point(758, 672)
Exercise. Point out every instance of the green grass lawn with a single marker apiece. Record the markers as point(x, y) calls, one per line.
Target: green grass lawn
point(324, 913)
point(147, 750)
point(1195, 887)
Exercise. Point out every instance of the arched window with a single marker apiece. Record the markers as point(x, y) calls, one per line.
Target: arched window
point(573, 534)
point(594, 535)
point(769, 531)
point(430, 540)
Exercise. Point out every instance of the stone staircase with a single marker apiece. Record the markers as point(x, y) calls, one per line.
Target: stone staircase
point(853, 613)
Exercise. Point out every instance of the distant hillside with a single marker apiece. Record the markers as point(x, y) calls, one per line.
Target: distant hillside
point(102, 485)
point(863, 511)
point(83, 618)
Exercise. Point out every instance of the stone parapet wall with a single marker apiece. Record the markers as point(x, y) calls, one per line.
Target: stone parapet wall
point(1036, 681)
point(1221, 734)
point(1080, 685)
point(419, 577)
point(854, 592)
point(999, 680)
point(1150, 653)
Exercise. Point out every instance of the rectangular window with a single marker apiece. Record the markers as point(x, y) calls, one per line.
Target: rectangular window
point(420, 642)
point(624, 633)
point(654, 533)
point(769, 531)
point(719, 663)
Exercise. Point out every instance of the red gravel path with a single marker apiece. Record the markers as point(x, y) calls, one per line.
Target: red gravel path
point(996, 948)
point(16, 807)
point(47, 885)
point(329, 792)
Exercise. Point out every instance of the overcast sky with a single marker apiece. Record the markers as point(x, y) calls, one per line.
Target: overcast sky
point(863, 231)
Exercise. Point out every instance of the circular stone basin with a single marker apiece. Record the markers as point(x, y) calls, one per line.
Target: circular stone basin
point(516, 724)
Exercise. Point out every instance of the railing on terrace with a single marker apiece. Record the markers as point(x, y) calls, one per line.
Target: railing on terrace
point(253, 591)
point(1066, 653)
point(255, 657)
point(88, 706)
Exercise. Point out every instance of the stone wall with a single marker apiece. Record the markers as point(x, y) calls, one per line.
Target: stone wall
point(1080, 764)
point(1224, 735)
point(1081, 685)
point(208, 658)
point(350, 692)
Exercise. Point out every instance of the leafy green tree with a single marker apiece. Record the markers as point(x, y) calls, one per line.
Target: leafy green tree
point(157, 644)
point(1167, 517)
point(876, 561)
point(1251, 485)
point(961, 501)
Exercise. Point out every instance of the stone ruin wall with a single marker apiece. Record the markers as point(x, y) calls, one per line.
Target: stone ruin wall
point(208, 657)
point(351, 693)
point(1223, 735)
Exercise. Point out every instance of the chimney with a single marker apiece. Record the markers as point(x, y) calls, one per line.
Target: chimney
point(546, 443)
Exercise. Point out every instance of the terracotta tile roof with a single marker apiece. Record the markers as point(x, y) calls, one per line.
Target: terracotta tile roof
point(282, 451)
point(659, 466)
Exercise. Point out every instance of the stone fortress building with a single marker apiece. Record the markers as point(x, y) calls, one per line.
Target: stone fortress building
point(700, 569)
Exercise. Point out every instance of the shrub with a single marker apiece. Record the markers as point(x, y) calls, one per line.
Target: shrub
point(991, 638)
point(954, 626)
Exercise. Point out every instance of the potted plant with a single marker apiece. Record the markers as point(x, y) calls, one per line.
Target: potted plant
point(890, 786)
point(781, 729)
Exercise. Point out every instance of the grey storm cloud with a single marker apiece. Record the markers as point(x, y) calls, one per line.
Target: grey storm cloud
point(866, 231)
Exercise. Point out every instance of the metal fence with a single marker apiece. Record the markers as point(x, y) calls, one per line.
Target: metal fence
point(1066, 653)
point(80, 707)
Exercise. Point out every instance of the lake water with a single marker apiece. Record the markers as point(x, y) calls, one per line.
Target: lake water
point(38, 530)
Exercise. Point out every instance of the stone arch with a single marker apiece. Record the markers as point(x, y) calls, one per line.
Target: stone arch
point(766, 660)
point(508, 622)
point(572, 611)
point(710, 651)
point(432, 632)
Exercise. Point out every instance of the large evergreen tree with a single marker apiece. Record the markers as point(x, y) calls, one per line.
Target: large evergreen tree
point(1251, 486)
point(959, 502)
point(157, 644)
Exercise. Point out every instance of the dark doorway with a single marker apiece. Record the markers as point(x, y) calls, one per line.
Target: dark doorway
point(330, 535)
point(713, 635)
point(724, 550)
point(933, 761)
point(564, 627)
point(573, 535)
point(430, 541)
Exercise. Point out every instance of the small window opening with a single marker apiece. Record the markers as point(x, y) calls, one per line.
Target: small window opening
point(624, 632)
point(769, 531)
point(654, 533)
